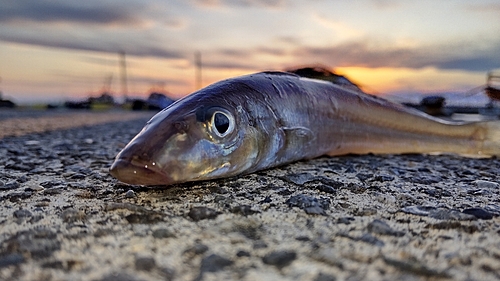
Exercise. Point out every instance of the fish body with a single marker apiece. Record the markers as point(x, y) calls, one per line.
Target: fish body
point(254, 122)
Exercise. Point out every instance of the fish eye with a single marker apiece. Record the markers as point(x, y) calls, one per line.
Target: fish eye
point(222, 123)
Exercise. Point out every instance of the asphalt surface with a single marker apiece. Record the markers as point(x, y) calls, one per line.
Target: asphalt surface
point(392, 217)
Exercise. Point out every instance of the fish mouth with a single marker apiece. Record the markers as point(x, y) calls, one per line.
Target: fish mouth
point(133, 173)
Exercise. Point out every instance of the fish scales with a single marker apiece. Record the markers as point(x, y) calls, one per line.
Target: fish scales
point(254, 122)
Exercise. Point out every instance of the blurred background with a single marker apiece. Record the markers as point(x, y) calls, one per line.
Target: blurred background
point(56, 51)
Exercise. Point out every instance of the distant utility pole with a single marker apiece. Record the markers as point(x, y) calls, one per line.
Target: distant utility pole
point(123, 71)
point(197, 61)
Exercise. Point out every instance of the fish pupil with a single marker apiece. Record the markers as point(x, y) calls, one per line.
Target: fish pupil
point(221, 122)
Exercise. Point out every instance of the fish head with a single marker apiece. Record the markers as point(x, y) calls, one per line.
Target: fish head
point(200, 137)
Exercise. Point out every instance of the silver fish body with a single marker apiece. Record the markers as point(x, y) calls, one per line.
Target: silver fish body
point(254, 122)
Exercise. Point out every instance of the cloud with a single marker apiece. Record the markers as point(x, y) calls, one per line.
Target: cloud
point(484, 7)
point(270, 4)
point(386, 4)
point(250, 59)
point(85, 12)
point(364, 53)
point(106, 44)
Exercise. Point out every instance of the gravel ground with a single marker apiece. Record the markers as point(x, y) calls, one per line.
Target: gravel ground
point(405, 217)
point(21, 122)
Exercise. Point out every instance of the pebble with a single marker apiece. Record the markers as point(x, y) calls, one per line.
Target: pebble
point(415, 267)
point(310, 204)
point(446, 214)
point(214, 263)
point(325, 277)
point(280, 259)
point(479, 213)
point(418, 210)
point(163, 233)
point(300, 178)
point(71, 215)
point(197, 249)
point(10, 185)
point(243, 253)
point(486, 184)
point(38, 243)
point(145, 263)
point(244, 210)
point(11, 259)
point(22, 214)
point(380, 227)
point(130, 194)
point(202, 213)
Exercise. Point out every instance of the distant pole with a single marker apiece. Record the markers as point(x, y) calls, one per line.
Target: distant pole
point(123, 71)
point(197, 59)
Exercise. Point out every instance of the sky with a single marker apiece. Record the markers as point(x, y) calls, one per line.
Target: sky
point(56, 50)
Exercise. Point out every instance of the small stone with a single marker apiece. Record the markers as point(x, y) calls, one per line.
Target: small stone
point(280, 259)
point(163, 233)
point(370, 239)
point(11, 259)
point(345, 220)
point(364, 177)
point(71, 215)
point(242, 253)
point(380, 227)
point(415, 267)
point(201, 213)
point(362, 212)
point(119, 276)
point(214, 263)
point(36, 187)
point(267, 199)
point(130, 194)
point(259, 244)
point(487, 184)
point(144, 218)
point(10, 185)
point(244, 210)
point(383, 178)
point(31, 142)
point(479, 213)
point(445, 214)
point(197, 249)
point(311, 205)
point(299, 179)
point(145, 263)
point(328, 255)
point(418, 210)
point(325, 277)
point(22, 214)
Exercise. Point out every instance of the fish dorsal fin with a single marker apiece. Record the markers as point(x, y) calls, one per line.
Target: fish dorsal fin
point(279, 73)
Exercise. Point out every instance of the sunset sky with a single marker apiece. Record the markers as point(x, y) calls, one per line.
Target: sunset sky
point(58, 50)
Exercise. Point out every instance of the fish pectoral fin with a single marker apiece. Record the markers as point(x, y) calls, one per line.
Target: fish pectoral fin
point(298, 134)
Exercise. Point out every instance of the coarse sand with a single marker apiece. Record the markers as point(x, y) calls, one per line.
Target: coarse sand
point(390, 217)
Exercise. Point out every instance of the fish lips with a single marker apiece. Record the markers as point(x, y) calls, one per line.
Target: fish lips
point(128, 172)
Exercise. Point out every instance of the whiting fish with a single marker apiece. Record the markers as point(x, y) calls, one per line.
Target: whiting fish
point(254, 122)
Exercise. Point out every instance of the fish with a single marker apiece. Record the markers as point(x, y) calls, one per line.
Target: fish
point(259, 121)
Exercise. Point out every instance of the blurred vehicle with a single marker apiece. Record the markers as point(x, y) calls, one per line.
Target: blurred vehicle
point(158, 101)
point(492, 88)
point(155, 101)
point(6, 103)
